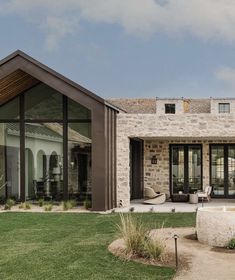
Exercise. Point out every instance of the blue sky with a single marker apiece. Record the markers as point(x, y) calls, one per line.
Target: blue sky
point(129, 48)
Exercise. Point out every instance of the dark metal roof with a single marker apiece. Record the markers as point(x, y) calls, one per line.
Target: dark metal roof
point(54, 73)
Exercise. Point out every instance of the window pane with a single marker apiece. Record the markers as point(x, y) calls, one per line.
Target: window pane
point(43, 160)
point(217, 169)
point(79, 160)
point(231, 170)
point(170, 108)
point(9, 160)
point(77, 111)
point(84, 129)
point(10, 110)
point(224, 108)
point(178, 168)
point(194, 168)
point(43, 102)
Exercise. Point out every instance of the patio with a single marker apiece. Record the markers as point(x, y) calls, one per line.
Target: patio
point(168, 207)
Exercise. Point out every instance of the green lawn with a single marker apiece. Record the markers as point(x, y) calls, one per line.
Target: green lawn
point(72, 246)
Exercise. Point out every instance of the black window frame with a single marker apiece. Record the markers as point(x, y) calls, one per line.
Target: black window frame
point(22, 121)
point(222, 106)
point(225, 148)
point(170, 108)
point(186, 165)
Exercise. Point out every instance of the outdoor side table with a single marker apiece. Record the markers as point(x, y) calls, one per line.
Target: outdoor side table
point(193, 198)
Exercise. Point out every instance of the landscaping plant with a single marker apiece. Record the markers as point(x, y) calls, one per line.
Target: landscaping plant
point(87, 203)
point(133, 232)
point(69, 204)
point(41, 202)
point(10, 202)
point(231, 244)
point(48, 207)
point(138, 240)
point(25, 205)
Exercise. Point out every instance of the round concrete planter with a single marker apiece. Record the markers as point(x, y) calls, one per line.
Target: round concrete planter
point(215, 225)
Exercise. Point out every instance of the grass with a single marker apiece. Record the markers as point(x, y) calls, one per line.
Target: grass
point(73, 246)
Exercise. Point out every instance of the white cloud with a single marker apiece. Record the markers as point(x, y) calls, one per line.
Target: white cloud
point(208, 19)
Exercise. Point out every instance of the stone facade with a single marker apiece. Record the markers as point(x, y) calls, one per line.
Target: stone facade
point(215, 104)
point(158, 131)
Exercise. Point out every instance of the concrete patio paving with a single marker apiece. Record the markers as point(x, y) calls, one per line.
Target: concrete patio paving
point(168, 207)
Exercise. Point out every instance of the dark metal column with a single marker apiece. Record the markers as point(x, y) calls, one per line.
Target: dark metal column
point(22, 149)
point(65, 148)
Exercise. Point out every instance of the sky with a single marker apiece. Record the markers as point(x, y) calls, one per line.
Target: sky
point(129, 48)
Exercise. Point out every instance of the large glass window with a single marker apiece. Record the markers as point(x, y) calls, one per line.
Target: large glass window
point(9, 160)
point(44, 160)
point(44, 122)
point(43, 102)
point(79, 159)
point(10, 110)
point(77, 112)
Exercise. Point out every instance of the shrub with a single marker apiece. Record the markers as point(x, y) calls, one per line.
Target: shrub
point(133, 232)
point(41, 202)
point(153, 248)
point(87, 203)
point(9, 204)
point(25, 205)
point(138, 240)
point(2, 199)
point(231, 244)
point(69, 204)
point(48, 207)
point(73, 202)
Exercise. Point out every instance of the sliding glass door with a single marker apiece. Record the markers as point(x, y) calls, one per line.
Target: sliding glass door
point(222, 170)
point(186, 168)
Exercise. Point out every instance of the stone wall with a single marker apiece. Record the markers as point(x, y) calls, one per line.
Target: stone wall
point(215, 105)
point(160, 105)
point(158, 132)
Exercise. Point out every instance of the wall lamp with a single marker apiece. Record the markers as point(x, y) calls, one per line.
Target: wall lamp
point(154, 159)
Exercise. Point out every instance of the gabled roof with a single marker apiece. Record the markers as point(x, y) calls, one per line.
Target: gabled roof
point(20, 64)
point(135, 105)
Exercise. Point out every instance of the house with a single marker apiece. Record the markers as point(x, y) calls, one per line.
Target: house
point(175, 145)
point(59, 140)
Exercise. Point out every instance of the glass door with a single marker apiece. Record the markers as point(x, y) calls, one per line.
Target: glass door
point(177, 168)
point(223, 170)
point(194, 168)
point(231, 171)
point(186, 168)
point(217, 170)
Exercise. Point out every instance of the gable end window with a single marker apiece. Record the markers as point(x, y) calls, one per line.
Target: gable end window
point(169, 108)
point(224, 107)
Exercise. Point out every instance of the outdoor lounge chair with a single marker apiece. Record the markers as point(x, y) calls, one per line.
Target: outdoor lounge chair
point(205, 194)
point(153, 197)
point(159, 199)
point(149, 192)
